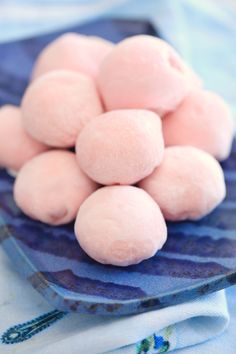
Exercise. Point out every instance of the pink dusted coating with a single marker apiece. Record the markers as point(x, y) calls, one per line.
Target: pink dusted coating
point(51, 187)
point(121, 147)
point(187, 185)
point(16, 146)
point(74, 52)
point(202, 120)
point(194, 80)
point(144, 72)
point(58, 105)
point(120, 225)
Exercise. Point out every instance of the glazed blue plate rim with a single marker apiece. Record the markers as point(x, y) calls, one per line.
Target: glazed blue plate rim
point(193, 290)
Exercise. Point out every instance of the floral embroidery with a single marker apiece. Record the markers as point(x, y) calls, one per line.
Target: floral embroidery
point(24, 331)
point(155, 344)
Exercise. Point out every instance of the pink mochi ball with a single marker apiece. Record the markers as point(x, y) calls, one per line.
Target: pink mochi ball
point(120, 225)
point(74, 52)
point(51, 187)
point(202, 120)
point(121, 147)
point(57, 106)
point(16, 146)
point(187, 185)
point(144, 72)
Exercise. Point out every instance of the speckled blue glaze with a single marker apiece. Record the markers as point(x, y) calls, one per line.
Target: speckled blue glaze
point(198, 258)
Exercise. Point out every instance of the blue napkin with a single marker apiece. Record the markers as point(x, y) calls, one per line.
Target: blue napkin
point(225, 343)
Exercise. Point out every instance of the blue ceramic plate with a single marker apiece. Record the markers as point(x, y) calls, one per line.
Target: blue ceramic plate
point(198, 258)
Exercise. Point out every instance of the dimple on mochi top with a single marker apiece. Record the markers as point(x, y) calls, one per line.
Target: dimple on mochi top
point(144, 72)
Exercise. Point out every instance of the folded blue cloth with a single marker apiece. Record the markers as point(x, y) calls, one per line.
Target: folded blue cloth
point(225, 343)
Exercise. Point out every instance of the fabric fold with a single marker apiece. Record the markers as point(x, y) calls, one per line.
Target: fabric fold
point(170, 328)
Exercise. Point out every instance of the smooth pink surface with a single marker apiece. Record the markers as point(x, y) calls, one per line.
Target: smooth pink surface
point(57, 106)
point(202, 120)
point(120, 225)
point(51, 187)
point(121, 147)
point(175, 59)
point(16, 146)
point(74, 52)
point(144, 72)
point(187, 185)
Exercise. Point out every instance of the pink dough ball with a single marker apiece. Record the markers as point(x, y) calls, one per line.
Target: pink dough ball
point(176, 61)
point(16, 146)
point(202, 120)
point(144, 72)
point(187, 185)
point(51, 187)
point(121, 147)
point(56, 107)
point(74, 52)
point(120, 225)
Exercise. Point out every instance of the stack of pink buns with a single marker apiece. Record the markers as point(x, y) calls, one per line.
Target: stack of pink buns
point(147, 138)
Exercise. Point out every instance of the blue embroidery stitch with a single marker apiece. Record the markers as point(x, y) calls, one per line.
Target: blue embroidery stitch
point(158, 341)
point(155, 344)
point(24, 331)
